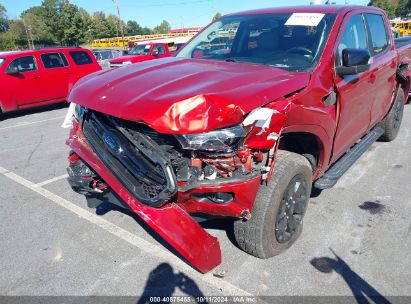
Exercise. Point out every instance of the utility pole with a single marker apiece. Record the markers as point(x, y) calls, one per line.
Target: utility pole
point(119, 20)
point(29, 41)
point(182, 24)
point(31, 35)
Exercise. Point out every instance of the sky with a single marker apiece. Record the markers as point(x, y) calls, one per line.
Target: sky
point(179, 13)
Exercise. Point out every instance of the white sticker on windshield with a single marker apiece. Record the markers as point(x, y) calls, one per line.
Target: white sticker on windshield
point(306, 19)
point(147, 46)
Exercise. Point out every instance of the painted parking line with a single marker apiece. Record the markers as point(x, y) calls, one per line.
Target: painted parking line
point(51, 180)
point(28, 123)
point(223, 286)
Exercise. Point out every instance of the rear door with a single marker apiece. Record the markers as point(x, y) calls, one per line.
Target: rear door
point(84, 64)
point(56, 74)
point(25, 85)
point(383, 67)
point(355, 92)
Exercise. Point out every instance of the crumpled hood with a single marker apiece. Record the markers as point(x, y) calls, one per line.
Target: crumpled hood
point(176, 95)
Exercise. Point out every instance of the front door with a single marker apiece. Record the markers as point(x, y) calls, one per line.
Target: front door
point(25, 83)
point(355, 92)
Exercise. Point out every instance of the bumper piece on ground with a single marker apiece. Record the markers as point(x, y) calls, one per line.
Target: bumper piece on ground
point(171, 222)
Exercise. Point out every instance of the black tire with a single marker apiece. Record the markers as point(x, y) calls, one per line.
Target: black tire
point(259, 235)
point(392, 122)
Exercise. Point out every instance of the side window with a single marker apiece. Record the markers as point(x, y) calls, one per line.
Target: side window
point(81, 57)
point(161, 50)
point(378, 30)
point(54, 60)
point(23, 64)
point(354, 36)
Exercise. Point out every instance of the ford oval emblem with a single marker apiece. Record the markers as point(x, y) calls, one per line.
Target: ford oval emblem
point(112, 143)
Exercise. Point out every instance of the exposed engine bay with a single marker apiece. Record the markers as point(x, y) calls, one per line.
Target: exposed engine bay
point(154, 167)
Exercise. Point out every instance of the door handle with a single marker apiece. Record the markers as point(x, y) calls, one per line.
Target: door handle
point(372, 78)
point(36, 77)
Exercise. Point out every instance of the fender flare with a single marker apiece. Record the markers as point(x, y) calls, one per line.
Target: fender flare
point(323, 140)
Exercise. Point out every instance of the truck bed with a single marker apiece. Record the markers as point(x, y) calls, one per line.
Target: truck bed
point(402, 41)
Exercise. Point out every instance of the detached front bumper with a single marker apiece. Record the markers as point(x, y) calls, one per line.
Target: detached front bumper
point(171, 222)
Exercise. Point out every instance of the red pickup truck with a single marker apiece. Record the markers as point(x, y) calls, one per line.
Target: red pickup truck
point(243, 129)
point(39, 77)
point(142, 52)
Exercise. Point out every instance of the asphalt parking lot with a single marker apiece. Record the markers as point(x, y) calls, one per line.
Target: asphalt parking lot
point(356, 238)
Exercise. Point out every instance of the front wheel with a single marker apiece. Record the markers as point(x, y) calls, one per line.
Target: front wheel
point(279, 208)
point(392, 122)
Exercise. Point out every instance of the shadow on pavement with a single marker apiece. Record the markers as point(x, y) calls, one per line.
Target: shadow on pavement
point(163, 282)
point(111, 202)
point(361, 290)
point(34, 110)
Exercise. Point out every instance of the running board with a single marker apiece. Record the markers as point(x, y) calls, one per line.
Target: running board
point(333, 174)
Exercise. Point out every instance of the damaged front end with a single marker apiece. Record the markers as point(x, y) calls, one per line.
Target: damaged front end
point(167, 179)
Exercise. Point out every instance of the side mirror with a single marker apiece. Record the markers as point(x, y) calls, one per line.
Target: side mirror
point(12, 70)
point(155, 53)
point(354, 61)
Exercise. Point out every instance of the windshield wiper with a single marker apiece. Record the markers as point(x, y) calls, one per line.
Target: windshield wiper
point(230, 60)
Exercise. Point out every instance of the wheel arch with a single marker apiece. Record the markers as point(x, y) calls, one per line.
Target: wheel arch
point(311, 140)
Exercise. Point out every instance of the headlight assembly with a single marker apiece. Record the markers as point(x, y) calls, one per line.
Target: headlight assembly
point(79, 112)
point(218, 140)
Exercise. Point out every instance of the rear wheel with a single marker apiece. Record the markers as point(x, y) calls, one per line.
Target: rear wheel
point(279, 208)
point(392, 122)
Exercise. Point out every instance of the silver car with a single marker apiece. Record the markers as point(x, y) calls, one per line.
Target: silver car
point(104, 56)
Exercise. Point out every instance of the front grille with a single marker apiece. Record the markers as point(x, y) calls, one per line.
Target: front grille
point(117, 65)
point(135, 159)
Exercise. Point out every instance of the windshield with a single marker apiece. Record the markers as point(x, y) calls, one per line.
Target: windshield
point(140, 50)
point(292, 41)
point(2, 60)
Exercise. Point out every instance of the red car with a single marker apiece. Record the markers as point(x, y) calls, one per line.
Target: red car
point(288, 98)
point(142, 52)
point(39, 77)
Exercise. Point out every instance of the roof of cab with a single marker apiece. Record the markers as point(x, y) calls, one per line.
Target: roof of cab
point(325, 9)
point(30, 52)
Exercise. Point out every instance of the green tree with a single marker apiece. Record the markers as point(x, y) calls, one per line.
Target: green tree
point(15, 38)
point(217, 16)
point(87, 24)
point(133, 28)
point(146, 31)
point(114, 26)
point(403, 9)
point(99, 26)
point(59, 22)
point(4, 21)
point(163, 28)
point(74, 32)
point(389, 6)
point(40, 32)
point(50, 11)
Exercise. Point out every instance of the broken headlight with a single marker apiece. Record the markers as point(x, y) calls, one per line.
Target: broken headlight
point(218, 140)
point(79, 112)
